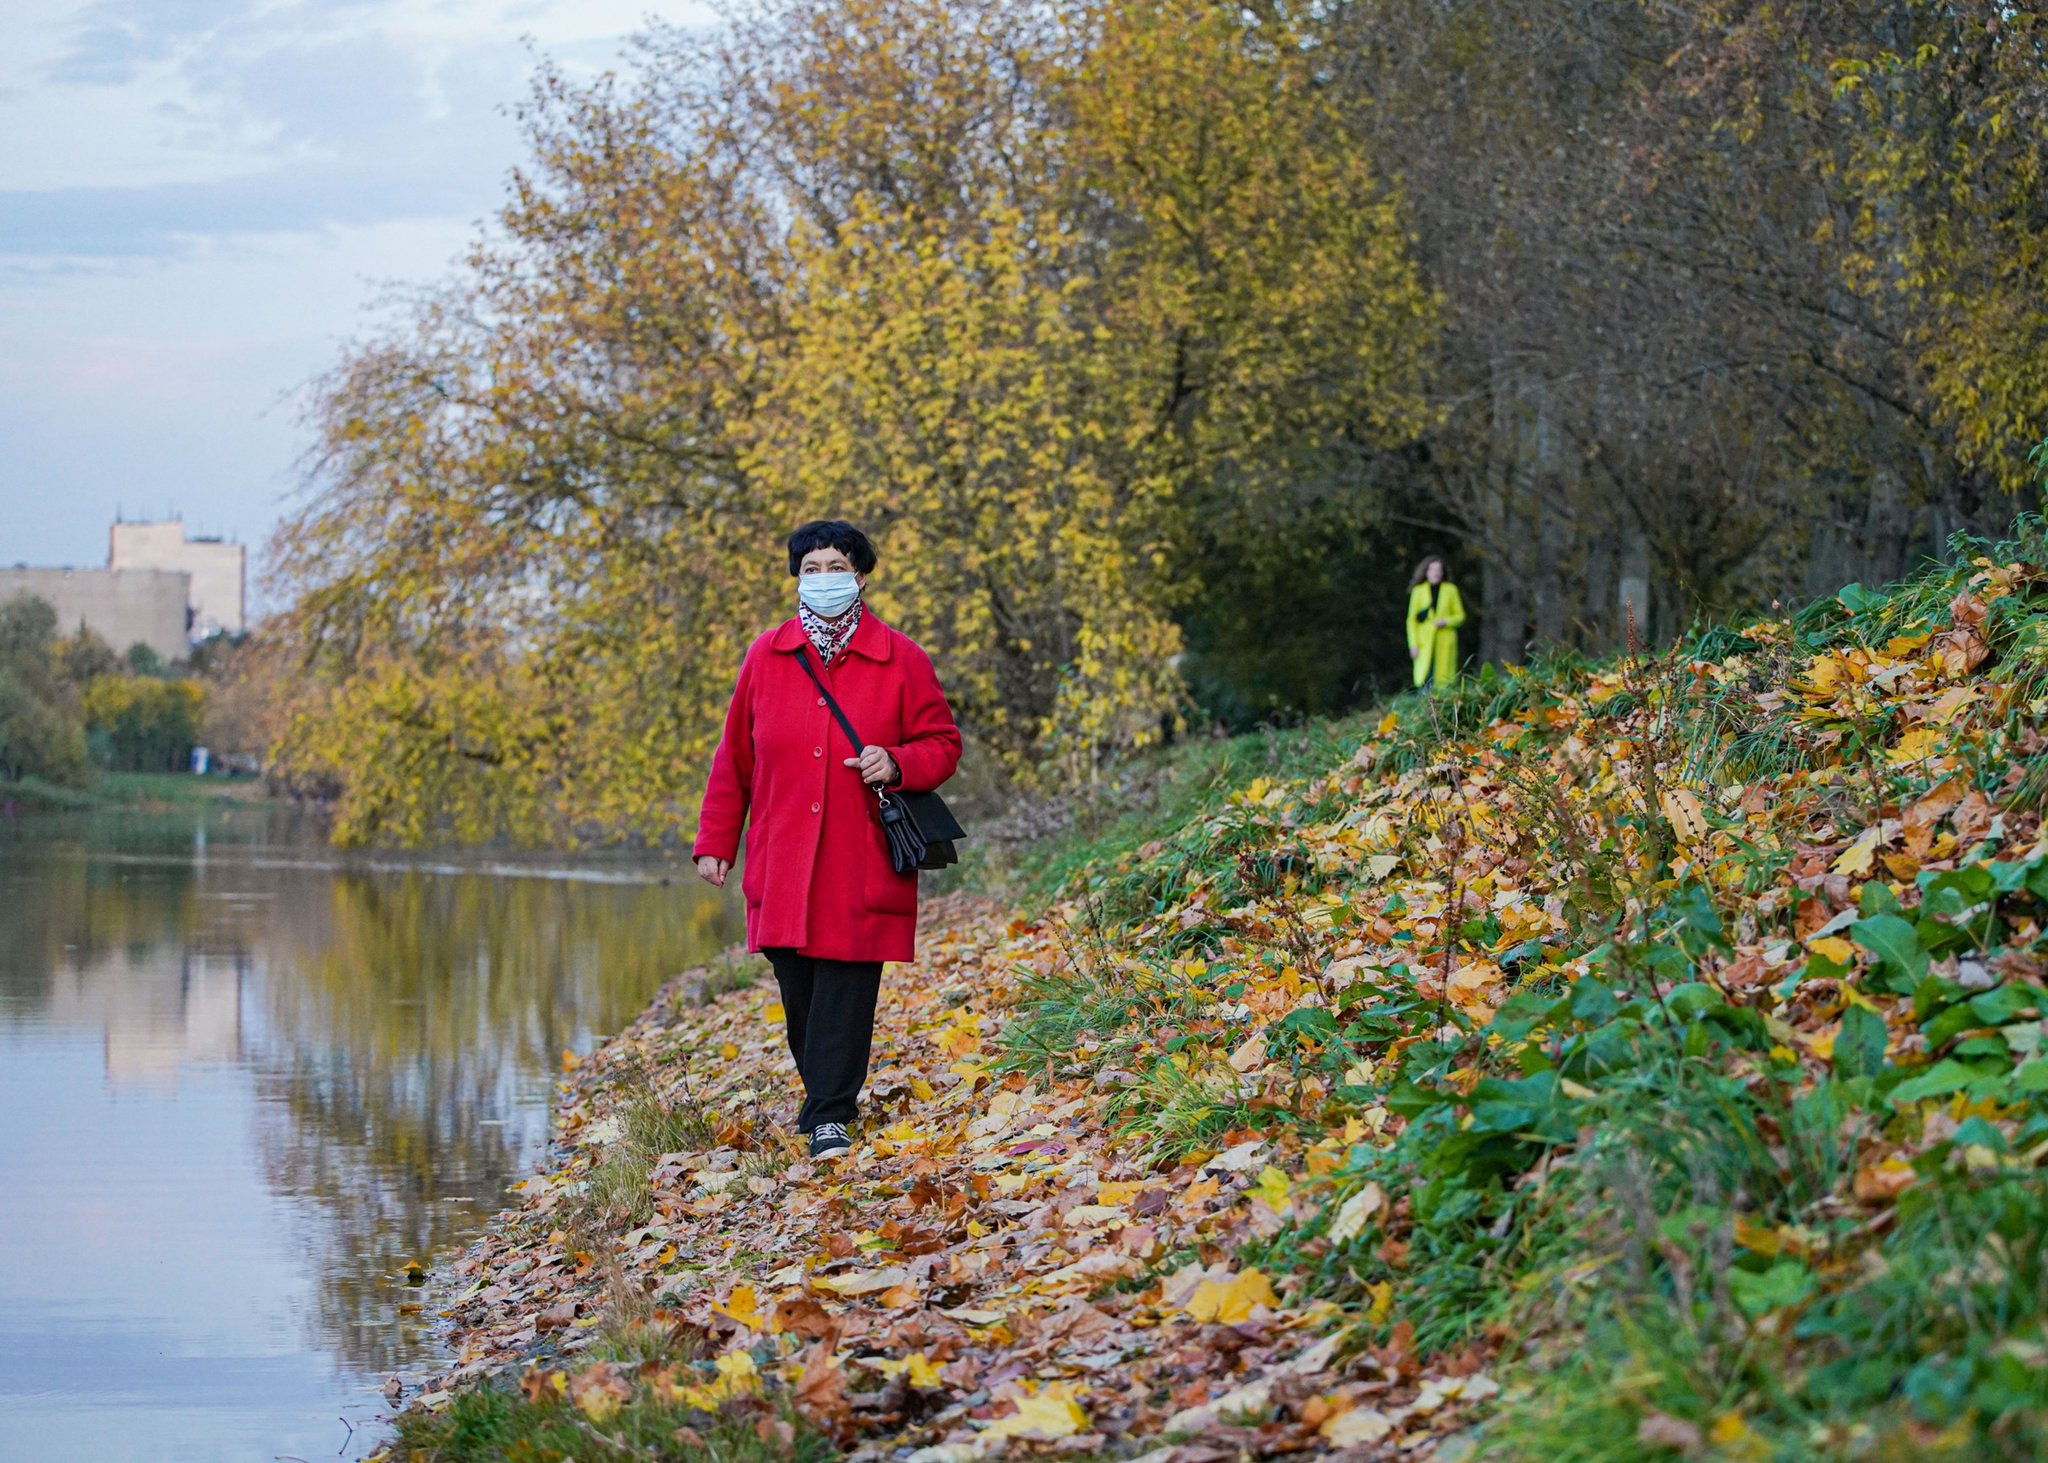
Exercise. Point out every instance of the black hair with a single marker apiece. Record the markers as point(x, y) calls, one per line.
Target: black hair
point(830, 533)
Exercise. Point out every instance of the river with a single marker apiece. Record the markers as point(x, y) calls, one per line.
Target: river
point(244, 1081)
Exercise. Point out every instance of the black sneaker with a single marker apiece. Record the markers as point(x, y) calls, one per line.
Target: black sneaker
point(829, 1140)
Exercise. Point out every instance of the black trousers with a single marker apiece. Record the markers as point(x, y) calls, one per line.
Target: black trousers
point(829, 1009)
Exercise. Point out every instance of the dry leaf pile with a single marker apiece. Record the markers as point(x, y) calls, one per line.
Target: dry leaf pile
point(993, 1269)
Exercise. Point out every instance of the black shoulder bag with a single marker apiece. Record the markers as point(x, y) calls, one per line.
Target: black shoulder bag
point(918, 826)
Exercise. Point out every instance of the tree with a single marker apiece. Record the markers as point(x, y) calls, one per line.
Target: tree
point(37, 739)
point(143, 724)
point(82, 656)
point(874, 259)
point(28, 625)
point(38, 735)
point(1154, 340)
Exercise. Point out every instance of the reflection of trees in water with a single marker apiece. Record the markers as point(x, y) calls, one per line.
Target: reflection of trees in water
point(60, 911)
point(404, 1030)
point(403, 1019)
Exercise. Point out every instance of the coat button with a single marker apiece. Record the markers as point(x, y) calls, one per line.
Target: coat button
point(814, 807)
point(817, 751)
point(821, 700)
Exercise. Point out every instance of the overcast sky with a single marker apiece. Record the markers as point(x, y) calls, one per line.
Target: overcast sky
point(198, 201)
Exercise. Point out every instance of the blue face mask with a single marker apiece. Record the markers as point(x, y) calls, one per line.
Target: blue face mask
point(830, 595)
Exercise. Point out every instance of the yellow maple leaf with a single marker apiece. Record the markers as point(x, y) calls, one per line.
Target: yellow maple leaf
point(958, 1041)
point(1117, 1194)
point(1387, 723)
point(775, 1012)
point(1382, 1293)
point(1043, 1417)
point(916, 1367)
point(1231, 1302)
point(1829, 671)
point(1916, 745)
point(744, 1306)
point(728, 1051)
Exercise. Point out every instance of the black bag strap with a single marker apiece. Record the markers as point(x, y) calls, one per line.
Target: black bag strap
point(803, 659)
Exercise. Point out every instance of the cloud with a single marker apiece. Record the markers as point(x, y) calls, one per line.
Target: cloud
point(197, 199)
point(360, 131)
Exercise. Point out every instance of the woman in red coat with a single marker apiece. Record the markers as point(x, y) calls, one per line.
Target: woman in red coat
point(823, 902)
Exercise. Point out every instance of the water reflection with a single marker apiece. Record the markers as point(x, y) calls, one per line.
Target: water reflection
point(309, 1071)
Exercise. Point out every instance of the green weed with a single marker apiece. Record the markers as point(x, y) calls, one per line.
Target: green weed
point(495, 1425)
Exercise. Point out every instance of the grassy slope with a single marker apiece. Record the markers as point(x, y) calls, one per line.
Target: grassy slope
point(1664, 1035)
point(1729, 1117)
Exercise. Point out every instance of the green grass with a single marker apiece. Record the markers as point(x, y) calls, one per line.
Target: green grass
point(176, 789)
point(1153, 796)
point(498, 1425)
point(621, 1187)
point(33, 795)
point(131, 790)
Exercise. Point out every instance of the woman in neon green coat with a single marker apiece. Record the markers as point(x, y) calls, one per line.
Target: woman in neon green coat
point(1435, 611)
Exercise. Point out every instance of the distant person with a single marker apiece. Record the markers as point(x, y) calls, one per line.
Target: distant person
point(824, 904)
point(1435, 611)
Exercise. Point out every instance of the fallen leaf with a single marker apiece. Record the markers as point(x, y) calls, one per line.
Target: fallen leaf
point(863, 1282)
point(743, 1306)
point(821, 1393)
point(1856, 859)
point(1353, 1214)
point(1682, 811)
point(1250, 1054)
point(1045, 1416)
point(1661, 1430)
point(1357, 1426)
point(1232, 1301)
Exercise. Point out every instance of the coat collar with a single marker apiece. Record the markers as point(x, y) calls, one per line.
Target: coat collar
point(871, 637)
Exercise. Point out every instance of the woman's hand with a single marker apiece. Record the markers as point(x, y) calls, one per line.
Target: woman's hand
point(1415, 652)
point(1443, 624)
point(877, 767)
point(713, 870)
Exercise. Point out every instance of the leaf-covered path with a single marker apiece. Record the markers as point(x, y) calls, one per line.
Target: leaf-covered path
point(992, 1268)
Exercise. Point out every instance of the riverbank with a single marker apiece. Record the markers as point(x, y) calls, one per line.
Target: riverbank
point(1590, 1062)
point(139, 791)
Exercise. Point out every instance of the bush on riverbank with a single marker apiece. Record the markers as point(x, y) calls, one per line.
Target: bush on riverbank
point(1662, 1036)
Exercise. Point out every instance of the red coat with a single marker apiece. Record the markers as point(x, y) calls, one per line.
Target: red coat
point(817, 877)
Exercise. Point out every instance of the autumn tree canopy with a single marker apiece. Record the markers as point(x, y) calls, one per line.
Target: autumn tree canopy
point(1149, 339)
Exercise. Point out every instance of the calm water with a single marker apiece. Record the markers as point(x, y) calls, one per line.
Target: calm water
point(243, 1081)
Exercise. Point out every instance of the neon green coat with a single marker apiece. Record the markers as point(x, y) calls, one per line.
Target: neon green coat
point(1439, 646)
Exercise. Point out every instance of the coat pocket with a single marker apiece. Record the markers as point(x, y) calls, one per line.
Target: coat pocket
point(751, 873)
point(883, 890)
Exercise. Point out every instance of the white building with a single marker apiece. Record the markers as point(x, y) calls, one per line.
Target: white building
point(149, 606)
point(218, 570)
